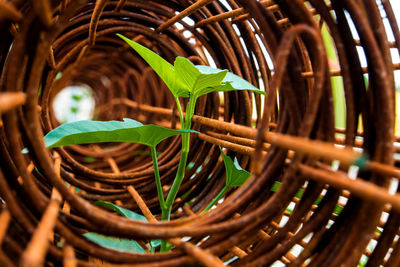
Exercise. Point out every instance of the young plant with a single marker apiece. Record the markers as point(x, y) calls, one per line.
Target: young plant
point(235, 176)
point(189, 81)
point(184, 80)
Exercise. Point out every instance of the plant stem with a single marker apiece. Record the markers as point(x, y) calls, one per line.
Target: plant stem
point(166, 213)
point(216, 199)
point(157, 177)
point(178, 105)
point(180, 174)
point(189, 112)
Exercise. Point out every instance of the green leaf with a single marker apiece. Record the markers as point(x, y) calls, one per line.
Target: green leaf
point(300, 193)
point(207, 83)
point(196, 81)
point(235, 175)
point(154, 244)
point(77, 97)
point(124, 212)
point(275, 186)
point(128, 214)
point(231, 81)
point(184, 78)
point(163, 69)
point(186, 71)
point(115, 243)
point(84, 132)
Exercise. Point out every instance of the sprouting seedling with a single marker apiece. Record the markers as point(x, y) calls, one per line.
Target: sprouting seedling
point(86, 132)
point(184, 79)
point(235, 176)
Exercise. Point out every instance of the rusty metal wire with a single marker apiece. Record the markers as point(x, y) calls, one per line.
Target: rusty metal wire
point(288, 136)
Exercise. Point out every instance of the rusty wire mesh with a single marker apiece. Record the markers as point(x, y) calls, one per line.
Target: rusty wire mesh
point(288, 137)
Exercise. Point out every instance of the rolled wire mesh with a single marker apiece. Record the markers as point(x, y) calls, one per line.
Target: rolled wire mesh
point(348, 212)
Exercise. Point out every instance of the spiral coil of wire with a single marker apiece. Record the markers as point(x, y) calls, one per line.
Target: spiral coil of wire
point(341, 218)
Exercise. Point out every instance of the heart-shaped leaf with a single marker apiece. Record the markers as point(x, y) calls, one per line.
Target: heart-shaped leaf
point(163, 69)
point(185, 79)
point(124, 212)
point(154, 244)
point(186, 71)
point(195, 80)
point(115, 243)
point(128, 214)
point(235, 175)
point(231, 81)
point(85, 132)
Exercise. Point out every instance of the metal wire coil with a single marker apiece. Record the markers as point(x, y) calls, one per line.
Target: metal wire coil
point(287, 137)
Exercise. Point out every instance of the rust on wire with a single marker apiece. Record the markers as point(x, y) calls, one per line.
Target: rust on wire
point(11, 100)
point(9, 12)
point(44, 11)
point(324, 181)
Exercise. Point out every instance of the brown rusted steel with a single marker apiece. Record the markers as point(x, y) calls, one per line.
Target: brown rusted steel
point(44, 11)
point(5, 219)
point(10, 100)
point(35, 253)
point(9, 12)
point(289, 137)
point(233, 14)
point(200, 255)
point(183, 14)
point(100, 5)
point(69, 257)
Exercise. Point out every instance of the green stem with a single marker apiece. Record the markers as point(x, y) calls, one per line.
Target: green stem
point(178, 105)
point(216, 199)
point(180, 174)
point(189, 112)
point(182, 162)
point(157, 177)
point(166, 213)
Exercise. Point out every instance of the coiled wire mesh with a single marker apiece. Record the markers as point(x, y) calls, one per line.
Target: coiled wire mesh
point(288, 137)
